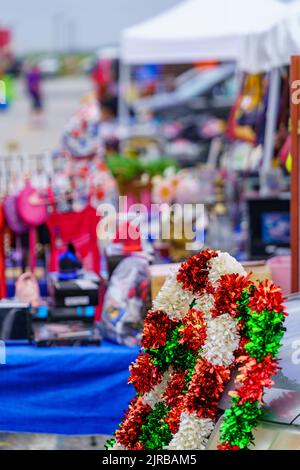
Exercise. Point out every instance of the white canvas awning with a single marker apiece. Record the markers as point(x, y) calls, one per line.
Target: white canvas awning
point(256, 33)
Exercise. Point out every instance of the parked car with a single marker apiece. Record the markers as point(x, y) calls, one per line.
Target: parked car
point(280, 427)
point(212, 90)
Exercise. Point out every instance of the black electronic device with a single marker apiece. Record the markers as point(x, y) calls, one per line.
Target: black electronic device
point(15, 321)
point(269, 227)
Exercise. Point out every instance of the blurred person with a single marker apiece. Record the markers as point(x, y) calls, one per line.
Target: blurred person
point(102, 78)
point(34, 90)
point(109, 111)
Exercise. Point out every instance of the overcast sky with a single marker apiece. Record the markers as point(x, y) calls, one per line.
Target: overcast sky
point(48, 24)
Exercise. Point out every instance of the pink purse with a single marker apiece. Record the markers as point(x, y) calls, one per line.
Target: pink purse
point(12, 216)
point(27, 289)
point(32, 210)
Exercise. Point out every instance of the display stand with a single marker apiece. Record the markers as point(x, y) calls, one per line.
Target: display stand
point(295, 177)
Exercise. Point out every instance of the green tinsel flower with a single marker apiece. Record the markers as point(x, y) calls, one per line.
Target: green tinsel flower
point(265, 331)
point(109, 444)
point(155, 432)
point(173, 353)
point(239, 422)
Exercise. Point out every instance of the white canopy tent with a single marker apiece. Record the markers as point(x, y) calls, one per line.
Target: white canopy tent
point(272, 48)
point(212, 29)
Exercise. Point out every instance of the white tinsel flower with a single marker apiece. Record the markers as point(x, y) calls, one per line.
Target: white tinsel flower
point(172, 299)
point(118, 446)
point(155, 395)
point(222, 340)
point(204, 304)
point(223, 264)
point(193, 433)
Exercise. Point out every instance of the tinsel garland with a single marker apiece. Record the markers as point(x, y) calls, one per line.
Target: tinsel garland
point(207, 318)
point(261, 318)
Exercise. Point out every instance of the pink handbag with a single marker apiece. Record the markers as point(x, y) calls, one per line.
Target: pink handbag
point(32, 210)
point(12, 217)
point(27, 289)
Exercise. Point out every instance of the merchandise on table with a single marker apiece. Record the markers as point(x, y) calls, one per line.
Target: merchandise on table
point(66, 334)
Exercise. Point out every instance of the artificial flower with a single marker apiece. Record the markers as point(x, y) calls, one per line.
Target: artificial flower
point(223, 264)
point(222, 340)
point(172, 299)
point(206, 387)
point(193, 433)
point(193, 275)
point(193, 330)
point(157, 325)
point(228, 293)
point(155, 395)
point(267, 296)
point(128, 433)
point(205, 303)
point(144, 374)
point(173, 394)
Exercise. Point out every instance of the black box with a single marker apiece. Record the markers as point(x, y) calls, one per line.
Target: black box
point(81, 292)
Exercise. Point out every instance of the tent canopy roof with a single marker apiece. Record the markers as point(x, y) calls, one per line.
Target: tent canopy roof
point(203, 29)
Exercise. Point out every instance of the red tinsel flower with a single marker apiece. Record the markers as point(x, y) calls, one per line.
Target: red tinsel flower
point(156, 328)
point(228, 446)
point(193, 274)
point(173, 393)
point(173, 419)
point(138, 446)
point(143, 374)
point(193, 330)
point(241, 352)
point(267, 296)
point(207, 385)
point(131, 427)
point(254, 377)
point(228, 293)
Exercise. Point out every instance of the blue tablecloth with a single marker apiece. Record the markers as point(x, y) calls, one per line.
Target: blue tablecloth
point(66, 390)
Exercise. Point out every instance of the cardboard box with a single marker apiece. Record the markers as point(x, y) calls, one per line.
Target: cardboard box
point(159, 272)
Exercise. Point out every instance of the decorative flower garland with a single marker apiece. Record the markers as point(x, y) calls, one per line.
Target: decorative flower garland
point(207, 318)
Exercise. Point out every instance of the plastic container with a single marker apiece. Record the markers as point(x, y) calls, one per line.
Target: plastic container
point(280, 267)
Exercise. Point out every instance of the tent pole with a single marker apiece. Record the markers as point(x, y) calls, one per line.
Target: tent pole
point(295, 176)
point(272, 114)
point(124, 81)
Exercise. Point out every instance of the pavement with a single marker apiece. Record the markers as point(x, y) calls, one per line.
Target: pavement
point(18, 131)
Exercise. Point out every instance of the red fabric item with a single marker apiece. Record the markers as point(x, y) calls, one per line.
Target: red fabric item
point(80, 229)
point(130, 245)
